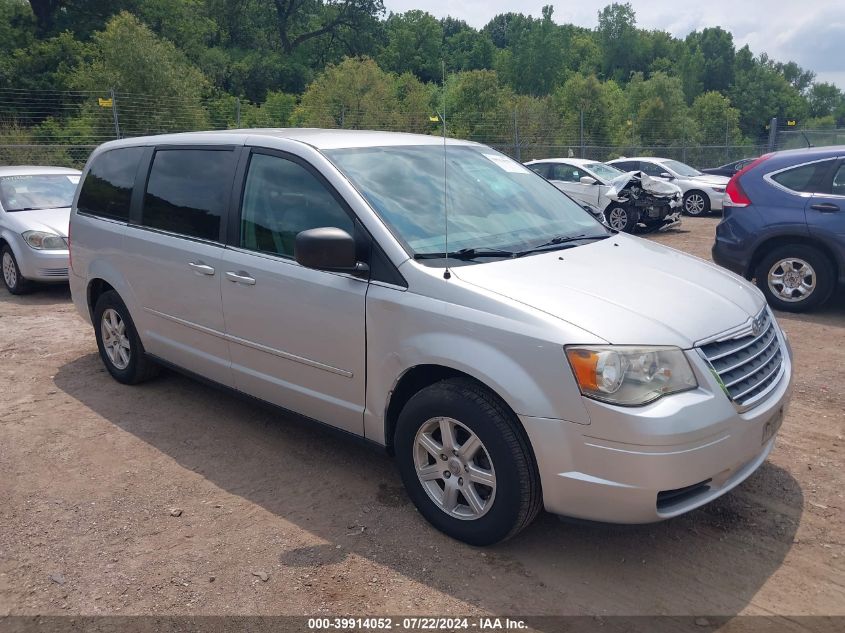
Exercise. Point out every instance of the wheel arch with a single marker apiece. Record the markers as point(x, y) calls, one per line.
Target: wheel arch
point(96, 288)
point(776, 241)
point(415, 379)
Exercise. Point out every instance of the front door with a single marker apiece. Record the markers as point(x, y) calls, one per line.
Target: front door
point(296, 335)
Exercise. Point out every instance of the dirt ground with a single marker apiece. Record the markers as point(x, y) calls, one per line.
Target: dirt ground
point(93, 472)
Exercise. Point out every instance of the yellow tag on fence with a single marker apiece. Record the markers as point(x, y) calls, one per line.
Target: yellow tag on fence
point(105, 103)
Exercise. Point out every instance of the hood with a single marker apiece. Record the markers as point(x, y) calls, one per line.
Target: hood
point(712, 180)
point(52, 220)
point(625, 290)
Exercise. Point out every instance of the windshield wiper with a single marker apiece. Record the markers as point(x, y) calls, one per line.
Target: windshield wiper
point(467, 253)
point(559, 242)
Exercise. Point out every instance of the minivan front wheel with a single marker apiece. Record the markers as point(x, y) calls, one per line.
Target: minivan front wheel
point(795, 278)
point(118, 343)
point(465, 463)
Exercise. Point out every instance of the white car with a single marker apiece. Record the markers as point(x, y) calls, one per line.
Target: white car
point(34, 215)
point(702, 192)
point(598, 186)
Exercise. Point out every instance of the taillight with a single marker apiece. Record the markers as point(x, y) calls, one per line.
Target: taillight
point(735, 195)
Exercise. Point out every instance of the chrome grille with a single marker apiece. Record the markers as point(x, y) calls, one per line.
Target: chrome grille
point(747, 364)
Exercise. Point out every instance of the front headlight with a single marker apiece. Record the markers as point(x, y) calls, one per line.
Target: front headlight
point(43, 241)
point(628, 375)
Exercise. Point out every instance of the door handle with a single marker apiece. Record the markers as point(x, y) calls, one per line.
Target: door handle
point(825, 207)
point(240, 277)
point(202, 269)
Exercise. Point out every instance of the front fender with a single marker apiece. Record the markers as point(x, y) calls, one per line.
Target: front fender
point(522, 363)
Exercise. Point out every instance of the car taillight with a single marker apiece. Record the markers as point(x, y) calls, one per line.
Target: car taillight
point(735, 195)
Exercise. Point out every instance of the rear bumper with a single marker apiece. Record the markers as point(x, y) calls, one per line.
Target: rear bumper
point(665, 459)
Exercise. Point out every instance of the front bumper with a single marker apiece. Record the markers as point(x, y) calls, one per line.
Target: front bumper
point(42, 265)
point(716, 200)
point(646, 464)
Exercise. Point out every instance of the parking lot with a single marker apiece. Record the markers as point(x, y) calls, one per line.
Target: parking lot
point(175, 498)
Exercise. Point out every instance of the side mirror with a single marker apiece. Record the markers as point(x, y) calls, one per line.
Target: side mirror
point(588, 180)
point(666, 174)
point(327, 248)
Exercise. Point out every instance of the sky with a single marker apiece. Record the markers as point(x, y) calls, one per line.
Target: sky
point(809, 32)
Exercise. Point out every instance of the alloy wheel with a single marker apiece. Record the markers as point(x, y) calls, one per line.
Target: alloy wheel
point(10, 271)
point(115, 342)
point(694, 204)
point(454, 468)
point(792, 279)
point(618, 219)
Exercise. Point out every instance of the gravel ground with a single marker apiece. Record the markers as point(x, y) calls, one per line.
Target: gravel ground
point(175, 498)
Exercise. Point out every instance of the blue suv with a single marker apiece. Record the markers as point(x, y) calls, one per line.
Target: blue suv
point(784, 226)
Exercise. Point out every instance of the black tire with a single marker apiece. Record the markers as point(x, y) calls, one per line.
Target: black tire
point(518, 496)
point(19, 284)
point(823, 276)
point(139, 366)
point(696, 210)
point(623, 218)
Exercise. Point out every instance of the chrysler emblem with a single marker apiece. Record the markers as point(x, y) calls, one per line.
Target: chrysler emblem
point(757, 326)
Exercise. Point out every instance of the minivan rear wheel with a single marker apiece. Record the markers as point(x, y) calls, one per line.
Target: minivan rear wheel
point(795, 277)
point(465, 463)
point(118, 342)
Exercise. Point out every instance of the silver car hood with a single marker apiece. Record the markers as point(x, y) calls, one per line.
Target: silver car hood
point(625, 290)
point(52, 220)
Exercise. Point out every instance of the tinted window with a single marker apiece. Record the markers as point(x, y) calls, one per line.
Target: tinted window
point(627, 165)
point(803, 179)
point(652, 169)
point(107, 190)
point(566, 173)
point(540, 168)
point(188, 191)
point(281, 199)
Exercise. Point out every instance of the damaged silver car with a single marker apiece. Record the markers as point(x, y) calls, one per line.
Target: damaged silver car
point(640, 201)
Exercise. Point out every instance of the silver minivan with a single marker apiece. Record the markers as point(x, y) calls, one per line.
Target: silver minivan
point(441, 300)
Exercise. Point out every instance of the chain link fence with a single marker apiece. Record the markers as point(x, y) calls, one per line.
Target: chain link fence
point(62, 127)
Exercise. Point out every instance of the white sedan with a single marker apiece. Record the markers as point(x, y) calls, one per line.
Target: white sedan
point(702, 192)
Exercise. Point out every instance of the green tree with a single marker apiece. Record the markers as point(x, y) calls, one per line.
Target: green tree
point(823, 99)
point(535, 63)
point(163, 89)
point(354, 94)
point(760, 92)
point(617, 33)
point(414, 44)
point(717, 121)
point(600, 103)
point(659, 110)
point(477, 105)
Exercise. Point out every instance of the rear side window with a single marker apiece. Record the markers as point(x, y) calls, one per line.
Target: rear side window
point(188, 191)
point(566, 173)
point(805, 178)
point(540, 168)
point(107, 190)
point(627, 165)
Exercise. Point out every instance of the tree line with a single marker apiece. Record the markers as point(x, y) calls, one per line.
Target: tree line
point(346, 63)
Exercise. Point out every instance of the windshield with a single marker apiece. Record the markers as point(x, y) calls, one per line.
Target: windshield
point(493, 201)
point(43, 191)
point(605, 172)
point(681, 169)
